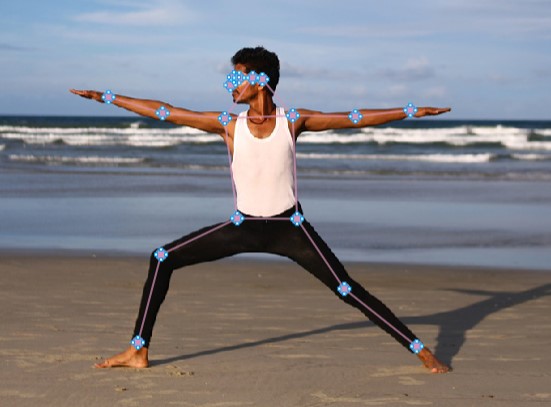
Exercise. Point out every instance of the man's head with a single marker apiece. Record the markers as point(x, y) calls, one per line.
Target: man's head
point(259, 59)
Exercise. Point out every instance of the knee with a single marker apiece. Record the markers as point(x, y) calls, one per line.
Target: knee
point(344, 289)
point(159, 255)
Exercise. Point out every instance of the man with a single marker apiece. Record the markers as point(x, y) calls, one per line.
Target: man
point(260, 142)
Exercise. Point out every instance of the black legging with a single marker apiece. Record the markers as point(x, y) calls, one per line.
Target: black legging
point(267, 236)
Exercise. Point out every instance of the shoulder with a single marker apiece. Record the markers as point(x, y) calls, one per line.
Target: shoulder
point(302, 117)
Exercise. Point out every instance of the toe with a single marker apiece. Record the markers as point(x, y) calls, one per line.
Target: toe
point(102, 365)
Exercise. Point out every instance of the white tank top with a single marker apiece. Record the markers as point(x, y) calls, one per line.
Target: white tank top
point(263, 168)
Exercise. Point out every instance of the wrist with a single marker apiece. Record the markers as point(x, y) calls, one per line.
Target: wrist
point(410, 110)
point(107, 97)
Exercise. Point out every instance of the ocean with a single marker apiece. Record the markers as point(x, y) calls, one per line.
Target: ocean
point(465, 192)
point(414, 148)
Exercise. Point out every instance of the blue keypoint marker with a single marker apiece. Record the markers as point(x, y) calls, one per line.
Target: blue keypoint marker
point(233, 80)
point(230, 86)
point(137, 342)
point(410, 110)
point(108, 97)
point(161, 254)
point(162, 113)
point(237, 218)
point(344, 289)
point(238, 77)
point(416, 346)
point(296, 218)
point(224, 118)
point(263, 79)
point(355, 116)
point(292, 115)
point(252, 77)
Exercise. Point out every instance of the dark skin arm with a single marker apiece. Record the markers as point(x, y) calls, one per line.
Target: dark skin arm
point(312, 120)
point(206, 121)
point(309, 120)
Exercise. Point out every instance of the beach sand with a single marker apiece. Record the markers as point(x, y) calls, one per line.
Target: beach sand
point(243, 332)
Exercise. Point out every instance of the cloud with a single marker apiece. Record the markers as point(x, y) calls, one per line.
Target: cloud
point(415, 69)
point(373, 31)
point(295, 71)
point(435, 92)
point(543, 72)
point(109, 36)
point(150, 13)
point(10, 47)
point(501, 79)
point(529, 18)
point(397, 90)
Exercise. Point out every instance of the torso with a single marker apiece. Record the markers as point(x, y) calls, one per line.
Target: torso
point(259, 131)
point(263, 166)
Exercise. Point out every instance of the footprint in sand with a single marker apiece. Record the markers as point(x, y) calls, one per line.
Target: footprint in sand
point(409, 381)
point(380, 401)
point(175, 371)
point(399, 371)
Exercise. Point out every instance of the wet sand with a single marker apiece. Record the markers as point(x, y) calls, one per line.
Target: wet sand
point(244, 332)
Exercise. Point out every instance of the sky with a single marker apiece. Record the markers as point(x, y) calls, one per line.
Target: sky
point(486, 59)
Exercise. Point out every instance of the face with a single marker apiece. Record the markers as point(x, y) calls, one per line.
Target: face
point(244, 92)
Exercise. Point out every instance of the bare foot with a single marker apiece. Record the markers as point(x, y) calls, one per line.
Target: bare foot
point(129, 358)
point(430, 362)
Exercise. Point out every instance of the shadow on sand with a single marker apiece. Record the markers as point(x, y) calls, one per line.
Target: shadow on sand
point(452, 325)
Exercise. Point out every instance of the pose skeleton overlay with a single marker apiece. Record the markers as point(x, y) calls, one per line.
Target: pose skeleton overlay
point(267, 216)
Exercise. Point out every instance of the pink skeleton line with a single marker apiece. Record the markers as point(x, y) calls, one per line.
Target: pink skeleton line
point(235, 79)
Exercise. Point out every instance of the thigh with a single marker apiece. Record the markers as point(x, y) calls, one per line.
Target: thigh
point(212, 243)
point(305, 246)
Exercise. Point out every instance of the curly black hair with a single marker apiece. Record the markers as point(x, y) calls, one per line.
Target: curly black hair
point(259, 59)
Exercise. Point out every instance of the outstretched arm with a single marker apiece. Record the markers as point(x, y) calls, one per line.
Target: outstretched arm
point(206, 121)
point(312, 120)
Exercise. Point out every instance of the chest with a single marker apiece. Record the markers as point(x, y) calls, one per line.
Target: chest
point(275, 148)
point(261, 130)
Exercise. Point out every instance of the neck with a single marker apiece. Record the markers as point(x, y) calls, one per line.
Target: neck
point(261, 108)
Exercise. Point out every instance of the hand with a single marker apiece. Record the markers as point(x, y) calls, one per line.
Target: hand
point(88, 94)
point(431, 111)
